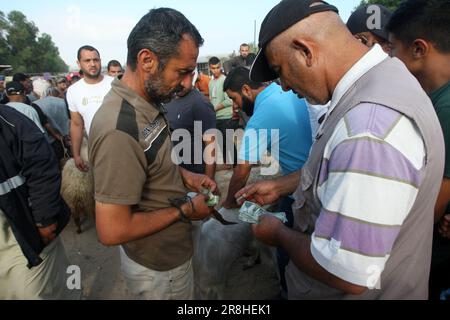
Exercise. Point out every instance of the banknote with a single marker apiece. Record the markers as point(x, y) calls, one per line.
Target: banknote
point(251, 212)
point(213, 199)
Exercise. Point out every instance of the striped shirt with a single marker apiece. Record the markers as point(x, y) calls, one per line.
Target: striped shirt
point(369, 180)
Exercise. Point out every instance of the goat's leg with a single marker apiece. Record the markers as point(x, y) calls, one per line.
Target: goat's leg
point(77, 220)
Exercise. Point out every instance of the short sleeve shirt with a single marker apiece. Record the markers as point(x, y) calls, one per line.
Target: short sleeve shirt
point(194, 114)
point(280, 125)
point(130, 151)
point(366, 162)
point(86, 98)
point(441, 103)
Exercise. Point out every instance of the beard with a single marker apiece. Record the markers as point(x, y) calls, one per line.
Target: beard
point(248, 106)
point(157, 92)
point(89, 75)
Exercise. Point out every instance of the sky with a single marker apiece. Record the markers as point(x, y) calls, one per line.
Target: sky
point(106, 24)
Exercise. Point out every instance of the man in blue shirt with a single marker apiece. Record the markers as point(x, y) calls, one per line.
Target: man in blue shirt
point(279, 124)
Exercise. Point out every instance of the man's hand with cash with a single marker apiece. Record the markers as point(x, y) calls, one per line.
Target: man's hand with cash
point(251, 213)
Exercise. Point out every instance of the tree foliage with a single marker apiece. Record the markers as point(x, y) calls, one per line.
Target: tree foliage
point(24, 48)
point(390, 4)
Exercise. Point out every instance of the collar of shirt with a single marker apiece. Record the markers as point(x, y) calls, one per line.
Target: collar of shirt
point(134, 99)
point(375, 56)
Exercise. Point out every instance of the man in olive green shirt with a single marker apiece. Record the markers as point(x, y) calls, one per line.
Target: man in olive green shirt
point(224, 112)
point(427, 57)
point(140, 193)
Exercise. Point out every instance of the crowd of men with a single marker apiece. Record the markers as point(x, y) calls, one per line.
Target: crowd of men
point(361, 115)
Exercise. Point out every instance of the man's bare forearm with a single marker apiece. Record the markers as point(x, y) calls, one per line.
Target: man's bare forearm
point(53, 132)
point(118, 225)
point(210, 170)
point(238, 181)
point(76, 135)
point(210, 159)
point(287, 185)
point(298, 246)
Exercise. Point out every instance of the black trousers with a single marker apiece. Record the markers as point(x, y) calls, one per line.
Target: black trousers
point(285, 205)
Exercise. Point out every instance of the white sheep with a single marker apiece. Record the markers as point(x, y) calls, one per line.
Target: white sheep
point(78, 188)
point(217, 247)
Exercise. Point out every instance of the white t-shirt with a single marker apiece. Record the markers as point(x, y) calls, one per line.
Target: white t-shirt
point(315, 113)
point(86, 98)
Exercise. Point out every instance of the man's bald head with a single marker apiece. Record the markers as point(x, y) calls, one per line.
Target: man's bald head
point(313, 55)
point(317, 27)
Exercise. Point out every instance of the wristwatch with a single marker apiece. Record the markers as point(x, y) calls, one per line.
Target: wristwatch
point(178, 203)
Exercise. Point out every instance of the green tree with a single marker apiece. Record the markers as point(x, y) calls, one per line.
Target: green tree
point(5, 50)
point(23, 48)
point(390, 4)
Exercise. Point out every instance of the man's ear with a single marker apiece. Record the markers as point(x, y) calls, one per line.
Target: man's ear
point(247, 92)
point(304, 49)
point(419, 49)
point(79, 65)
point(147, 61)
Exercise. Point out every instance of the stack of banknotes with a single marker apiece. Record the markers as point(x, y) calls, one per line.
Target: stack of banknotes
point(213, 200)
point(250, 212)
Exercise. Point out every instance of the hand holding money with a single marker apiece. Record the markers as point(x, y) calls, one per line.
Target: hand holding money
point(251, 213)
point(213, 200)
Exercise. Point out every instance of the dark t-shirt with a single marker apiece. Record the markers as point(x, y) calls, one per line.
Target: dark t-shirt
point(441, 103)
point(182, 113)
point(239, 62)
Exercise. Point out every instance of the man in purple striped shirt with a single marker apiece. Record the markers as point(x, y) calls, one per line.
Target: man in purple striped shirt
point(364, 200)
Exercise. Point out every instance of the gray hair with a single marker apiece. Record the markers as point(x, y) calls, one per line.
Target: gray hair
point(160, 31)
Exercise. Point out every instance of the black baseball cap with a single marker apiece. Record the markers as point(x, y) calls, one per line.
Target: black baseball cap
point(280, 18)
point(359, 21)
point(14, 88)
point(18, 77)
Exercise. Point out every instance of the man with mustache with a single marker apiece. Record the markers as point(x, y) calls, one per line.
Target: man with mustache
point(85, 98)
point(141, 201)
point(364, 200)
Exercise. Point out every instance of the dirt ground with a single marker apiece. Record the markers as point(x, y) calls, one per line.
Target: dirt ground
point(102, 279)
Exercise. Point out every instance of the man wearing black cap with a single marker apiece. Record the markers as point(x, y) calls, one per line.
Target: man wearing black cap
point(364, 201)
point(368, 24)
point(15, 93)
point(24, 80)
